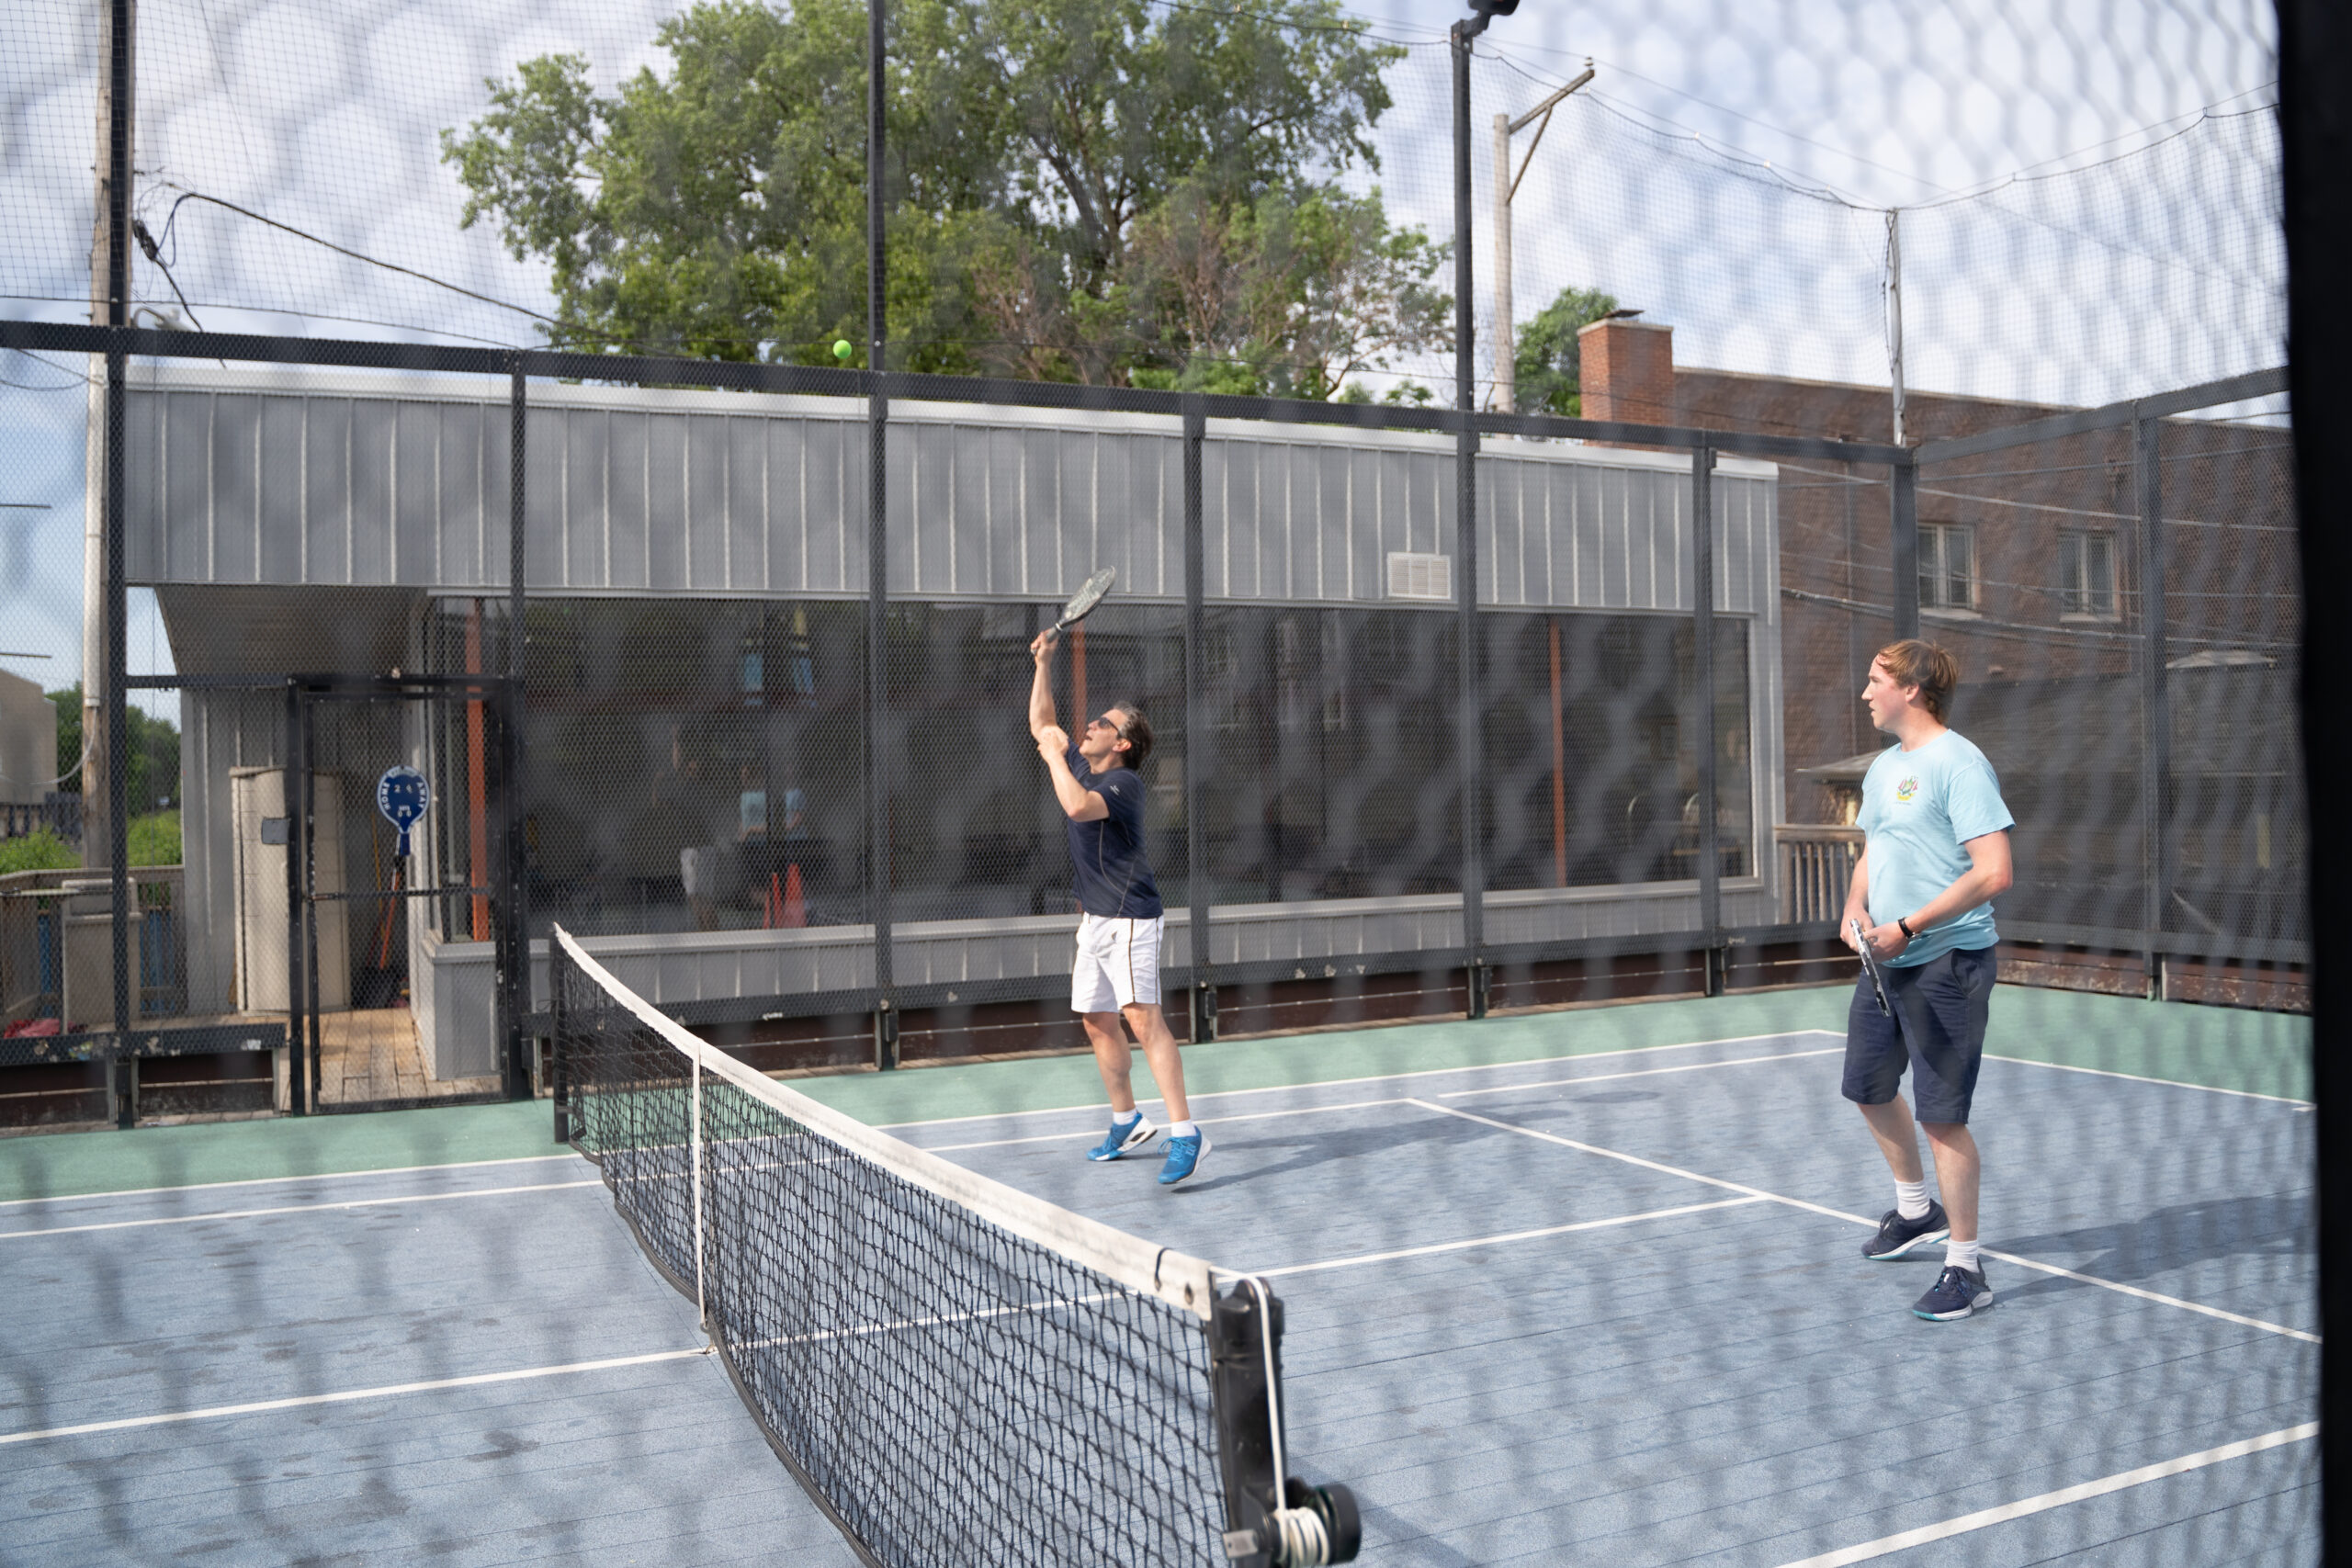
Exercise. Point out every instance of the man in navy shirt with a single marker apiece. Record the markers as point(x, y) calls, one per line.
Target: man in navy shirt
point(1117, 970)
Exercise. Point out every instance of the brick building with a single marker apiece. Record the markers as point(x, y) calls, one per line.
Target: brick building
point(2031, 572)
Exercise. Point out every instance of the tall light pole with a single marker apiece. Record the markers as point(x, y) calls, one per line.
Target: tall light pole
point(1465, 521)
point(1506, 187)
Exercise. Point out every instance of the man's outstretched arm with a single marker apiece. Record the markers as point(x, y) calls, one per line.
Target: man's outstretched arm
point(1041, 689)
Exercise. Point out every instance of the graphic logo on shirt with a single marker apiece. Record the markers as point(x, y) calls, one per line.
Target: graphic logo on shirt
point(1906, 789)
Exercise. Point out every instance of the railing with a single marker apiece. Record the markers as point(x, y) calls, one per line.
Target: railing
point(32, 955)
point(1817, 862)
point(60, 814)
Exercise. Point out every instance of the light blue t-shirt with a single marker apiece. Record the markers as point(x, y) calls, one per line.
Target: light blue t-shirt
point(1919, 809)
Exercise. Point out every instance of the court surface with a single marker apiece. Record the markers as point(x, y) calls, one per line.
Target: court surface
point(1581, 1287)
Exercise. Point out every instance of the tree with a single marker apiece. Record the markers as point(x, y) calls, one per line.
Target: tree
point(1546, 364)
point(719, 210)
point(154, 765)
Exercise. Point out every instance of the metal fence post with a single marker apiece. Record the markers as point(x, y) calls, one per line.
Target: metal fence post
point(2155, 752)
point(1903, 558)
point(1702, 627)
point(1465, 532)
point(1196, 724)
point(514, 979)
point(878, 498)
point(298, 1075)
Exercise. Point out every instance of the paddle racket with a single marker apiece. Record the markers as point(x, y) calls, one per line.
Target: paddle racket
point(1870, 967)
point(1080, 605)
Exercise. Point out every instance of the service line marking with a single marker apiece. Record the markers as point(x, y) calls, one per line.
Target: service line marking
point(387, 1391)
point(301, 1209)
point(1888, 1545)
point(2022, 1262)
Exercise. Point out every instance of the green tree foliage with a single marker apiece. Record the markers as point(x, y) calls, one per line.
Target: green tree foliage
point(1041, 155)
point(154, 775)
point(1545, 364)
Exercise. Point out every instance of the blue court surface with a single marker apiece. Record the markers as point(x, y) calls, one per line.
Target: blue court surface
point(1605, 1308)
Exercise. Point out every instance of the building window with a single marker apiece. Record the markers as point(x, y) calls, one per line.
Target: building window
point(1946, 567)
point(2086, 572)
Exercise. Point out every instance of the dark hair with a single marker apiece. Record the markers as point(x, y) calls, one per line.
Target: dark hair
point(1922, 664)
point(1137, 733)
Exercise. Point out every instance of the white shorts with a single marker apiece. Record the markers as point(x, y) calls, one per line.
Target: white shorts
point(1118, 963)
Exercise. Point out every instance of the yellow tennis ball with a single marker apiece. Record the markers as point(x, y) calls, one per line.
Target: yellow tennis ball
point(842, 349)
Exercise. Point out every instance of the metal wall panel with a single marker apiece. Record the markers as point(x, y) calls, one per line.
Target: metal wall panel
point(351, 482)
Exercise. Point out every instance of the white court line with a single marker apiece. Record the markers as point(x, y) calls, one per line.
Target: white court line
point(2034, 1264)
point(304, 1208)
point(1498, 1240)
point(1643, 1073)
point(1886, 1545)
point(266, 1180)
point(387, 1391)
point(1377, 1078)
point(1222, 1122)
point(2168, 1083)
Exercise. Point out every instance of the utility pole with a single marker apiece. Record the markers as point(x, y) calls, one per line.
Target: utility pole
point(1895, 313)
point(1507, 187)
point(877, 551)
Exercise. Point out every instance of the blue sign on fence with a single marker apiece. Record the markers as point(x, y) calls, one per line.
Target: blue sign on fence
point(401, 796)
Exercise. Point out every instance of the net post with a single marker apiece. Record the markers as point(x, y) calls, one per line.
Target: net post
point(693, 1154)
point(2155, 699)
point(1202, 993)
point(1703, 629)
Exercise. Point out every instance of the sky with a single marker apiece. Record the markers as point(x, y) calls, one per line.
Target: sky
point(2087, 192)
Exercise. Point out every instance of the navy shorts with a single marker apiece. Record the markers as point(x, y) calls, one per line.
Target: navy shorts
point(1938, 1030)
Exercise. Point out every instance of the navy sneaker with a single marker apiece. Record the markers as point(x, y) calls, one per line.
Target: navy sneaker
point(1897, 1235)
point(1958, 1293)
point(1185, 1157)
point(1119, 1140)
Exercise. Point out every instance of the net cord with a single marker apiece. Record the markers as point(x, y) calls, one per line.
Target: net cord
point(1181, 1280)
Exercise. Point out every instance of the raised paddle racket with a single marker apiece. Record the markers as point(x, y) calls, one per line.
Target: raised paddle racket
point(1091, 593)
point(1870, 968)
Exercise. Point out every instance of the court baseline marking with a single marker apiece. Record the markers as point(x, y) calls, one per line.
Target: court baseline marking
point(266, 1180)
point(1375, 1078)
point(1372, 1104)
point(1888, 1545)
point(304, 1208)
point(1362, 1259)
point(2142, 1077)
point(2030, 1263)
point(477, 1380)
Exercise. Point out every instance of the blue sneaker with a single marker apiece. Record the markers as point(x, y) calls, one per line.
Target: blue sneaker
point(1119, 1140)
point(1183, 1158)
point(1959, 1293)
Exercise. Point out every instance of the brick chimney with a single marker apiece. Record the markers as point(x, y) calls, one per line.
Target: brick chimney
point(1627, 371)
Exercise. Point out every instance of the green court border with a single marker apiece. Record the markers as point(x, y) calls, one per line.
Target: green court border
point(2257, 1053)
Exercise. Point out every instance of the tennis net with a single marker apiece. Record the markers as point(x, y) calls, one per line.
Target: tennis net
point(957, 1371)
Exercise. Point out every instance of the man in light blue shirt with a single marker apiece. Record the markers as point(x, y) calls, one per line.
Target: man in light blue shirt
point(1936, 851)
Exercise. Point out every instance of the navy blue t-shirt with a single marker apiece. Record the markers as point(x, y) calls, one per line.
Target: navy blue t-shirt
point(1114, 878)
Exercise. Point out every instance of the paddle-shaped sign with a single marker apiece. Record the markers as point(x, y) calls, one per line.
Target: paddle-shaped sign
point(402, 794)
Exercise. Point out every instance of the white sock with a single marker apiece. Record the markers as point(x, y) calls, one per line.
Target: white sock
point(1188, 1128)
point(1961, 1255)
point(1911, 1200)
point(1126, 1118)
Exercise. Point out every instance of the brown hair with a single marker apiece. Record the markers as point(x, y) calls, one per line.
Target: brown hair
point(1911, 663)
point(1137, 733)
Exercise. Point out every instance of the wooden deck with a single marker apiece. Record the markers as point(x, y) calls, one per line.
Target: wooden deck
point(370, 1056)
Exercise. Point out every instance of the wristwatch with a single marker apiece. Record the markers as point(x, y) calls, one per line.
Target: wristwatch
point(1904, 927)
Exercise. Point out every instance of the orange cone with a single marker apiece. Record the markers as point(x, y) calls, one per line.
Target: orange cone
point(795, 903)
point(772, 909)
